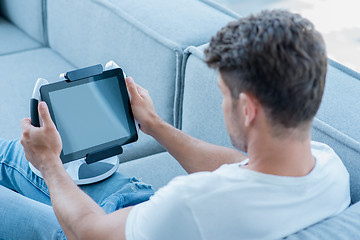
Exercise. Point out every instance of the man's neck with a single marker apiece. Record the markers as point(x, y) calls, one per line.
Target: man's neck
point(281, 156)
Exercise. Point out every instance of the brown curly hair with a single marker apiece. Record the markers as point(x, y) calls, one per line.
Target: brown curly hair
point(276, 56)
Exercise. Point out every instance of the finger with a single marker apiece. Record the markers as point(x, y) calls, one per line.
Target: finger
point(45, 115)
point(26, 126)
point(131, 86)
point(140, 88)
point(141, 92)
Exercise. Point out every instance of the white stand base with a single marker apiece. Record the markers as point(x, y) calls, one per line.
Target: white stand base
point(83, 173)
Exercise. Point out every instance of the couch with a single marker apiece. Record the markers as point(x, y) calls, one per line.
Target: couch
point(160, 44)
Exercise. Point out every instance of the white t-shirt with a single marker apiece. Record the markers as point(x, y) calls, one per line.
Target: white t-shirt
point(238, 203)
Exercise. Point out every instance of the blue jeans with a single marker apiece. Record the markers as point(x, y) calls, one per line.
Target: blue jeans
point(25, 206)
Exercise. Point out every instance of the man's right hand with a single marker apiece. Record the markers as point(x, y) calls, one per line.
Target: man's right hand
point(142, 106)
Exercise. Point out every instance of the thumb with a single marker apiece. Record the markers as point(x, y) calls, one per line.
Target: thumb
point(45, 115)
point(131, 87)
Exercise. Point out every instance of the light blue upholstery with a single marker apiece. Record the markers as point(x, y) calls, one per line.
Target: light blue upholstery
point(340, 107)
point(28, 15)
point(157, 169)
point(18, 81)
point(13, 39)
point(130, 33)
point(345, 226)
point(201, 110)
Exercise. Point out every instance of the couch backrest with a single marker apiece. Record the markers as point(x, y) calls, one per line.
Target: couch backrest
point(340, 107)
point(201, 110)
point(202, 115)
point(146, 38)
point(28, 15)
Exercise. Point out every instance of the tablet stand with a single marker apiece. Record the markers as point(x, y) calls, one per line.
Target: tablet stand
point(96, 166)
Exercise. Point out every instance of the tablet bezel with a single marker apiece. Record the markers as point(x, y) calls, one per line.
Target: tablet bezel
point(46, 89)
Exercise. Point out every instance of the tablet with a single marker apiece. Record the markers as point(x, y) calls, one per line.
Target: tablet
point(91, 114)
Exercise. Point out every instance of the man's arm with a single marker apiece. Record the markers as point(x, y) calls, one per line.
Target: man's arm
point(79, 216)
point(193, 154)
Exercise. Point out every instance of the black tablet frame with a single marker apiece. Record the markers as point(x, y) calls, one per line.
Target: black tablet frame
point(46, 89)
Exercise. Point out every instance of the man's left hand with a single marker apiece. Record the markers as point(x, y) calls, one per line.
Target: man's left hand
point(42, 145)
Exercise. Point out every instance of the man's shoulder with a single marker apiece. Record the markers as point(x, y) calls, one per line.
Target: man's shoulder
point(326, 157)
point(322, 149)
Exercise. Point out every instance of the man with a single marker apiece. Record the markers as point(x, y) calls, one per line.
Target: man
point(272, 69)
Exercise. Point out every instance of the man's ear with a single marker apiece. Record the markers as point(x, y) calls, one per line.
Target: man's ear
point(248, 107)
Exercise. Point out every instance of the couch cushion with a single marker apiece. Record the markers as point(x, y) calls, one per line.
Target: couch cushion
point(202, 115)
point(28, 16)
point(149, 47)
point(13, 39)
point(157, 170)
point(340, 107)
point(18, 81)
point(345, 226)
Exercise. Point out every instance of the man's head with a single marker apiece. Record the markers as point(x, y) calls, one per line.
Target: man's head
point(275, 60)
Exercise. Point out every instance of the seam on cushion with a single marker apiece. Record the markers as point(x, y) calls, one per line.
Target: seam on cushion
point(20, 51)
point(344, 69)
point(339, 136)
point(178, 89)
point(44, 22)
point(192, 50)
point(24, 175)
point(137, 24)
point(41, 48)
point(187, 53)
point(221, 8)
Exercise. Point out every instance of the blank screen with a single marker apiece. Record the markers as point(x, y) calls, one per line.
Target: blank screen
point(90, 114)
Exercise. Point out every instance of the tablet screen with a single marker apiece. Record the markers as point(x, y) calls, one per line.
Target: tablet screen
point(90, 114)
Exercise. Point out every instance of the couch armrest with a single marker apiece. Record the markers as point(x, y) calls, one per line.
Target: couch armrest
point(345, 226)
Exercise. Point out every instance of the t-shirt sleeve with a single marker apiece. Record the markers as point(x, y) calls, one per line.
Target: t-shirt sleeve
point(165, 216)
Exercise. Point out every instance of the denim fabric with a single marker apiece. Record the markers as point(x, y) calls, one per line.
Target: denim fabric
point(25, 206)
point(130, 194)
point(24, 218)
